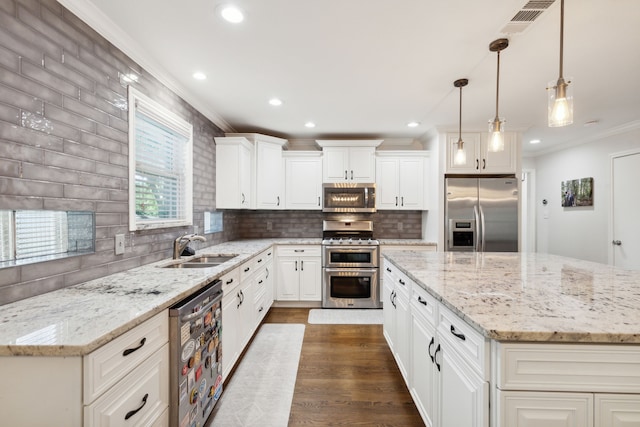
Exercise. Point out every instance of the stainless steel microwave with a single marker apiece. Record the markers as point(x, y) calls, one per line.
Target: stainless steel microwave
point(349, 197)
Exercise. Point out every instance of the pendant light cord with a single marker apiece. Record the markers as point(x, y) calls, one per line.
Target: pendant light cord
point(497, 85)
point(561, 34)
point(460, 118)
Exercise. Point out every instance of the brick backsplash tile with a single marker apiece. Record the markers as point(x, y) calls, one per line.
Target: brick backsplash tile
point(49, 79)
point(8, 59)
point(20, 99)
point(21, 202)
point(103, 181)
point(11, 150)
point(72, 119)
point(52, 17)
point(56, 65)
point(46, 30)
point(86, 193)
point(108, 206)
point(29, 35)
point(19, 46)
point(112, 170)
point(9, 276)
point(85, 110)
point(69, 162)
point(49, 268)
point(80, 66)
point(113, 135)
point(10, 168)
point(32, 5)
point(9, 7)
point(69, 205)
point(109, 69)
point(22, 187)
point(86, 274)
point(103, 143)
point(9, 114)
point(101, 104)
point(24, 290)
point(35, 172)
point(119, 124)
point(52, 6)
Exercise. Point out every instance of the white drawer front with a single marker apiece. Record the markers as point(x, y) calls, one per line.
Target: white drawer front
point(424, 303)
point(142, 396)
point(303, 250)
point(469, 343)
point(108, 364)
point(535, 409)
point(230, 280)
point(569, 367)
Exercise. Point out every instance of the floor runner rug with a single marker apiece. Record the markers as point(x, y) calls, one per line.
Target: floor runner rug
point(346, 316)
point(261, 389)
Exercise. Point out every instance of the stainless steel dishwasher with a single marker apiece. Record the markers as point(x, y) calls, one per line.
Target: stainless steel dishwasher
point(195, 362)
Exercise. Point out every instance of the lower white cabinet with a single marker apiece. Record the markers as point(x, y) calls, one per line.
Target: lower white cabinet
point(536, 409)
point(397, 317)
point(299, 273)
point(617, 410)
point(99, 389)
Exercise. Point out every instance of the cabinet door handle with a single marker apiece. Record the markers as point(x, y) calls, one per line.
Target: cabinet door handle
point(267, 270)
point(318, 200)
point(401, 282)
point(435, 357)
point(135, 411)
point(352, 175)
point(345, 175)
point(433, 340)
point(131, 350)
point(247, 269)
point(242, 198)
point(278, 201)
point(402, 201)
point(396, 200)
point(388, 269)
point(296, 268)
point(239, 299)
point(301, 265)
point(260, 282)
point(484, 163)
point(421, 301)
point(260, 310)
point(457, 334)
point(477, 164)
point(617, 242)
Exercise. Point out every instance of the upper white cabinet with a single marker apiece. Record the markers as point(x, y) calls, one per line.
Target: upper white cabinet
point(479, 159)
point(303, 180)
point(259, 187)
point(401, 180)
point(233, 173)
point(349, 160)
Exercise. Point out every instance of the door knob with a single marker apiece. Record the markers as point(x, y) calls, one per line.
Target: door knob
point(617, 242)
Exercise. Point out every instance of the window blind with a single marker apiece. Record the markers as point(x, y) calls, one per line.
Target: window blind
point(6, 235)
point(40, 233)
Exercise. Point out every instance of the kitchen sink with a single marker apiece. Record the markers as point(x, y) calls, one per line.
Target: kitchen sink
point(202, 261)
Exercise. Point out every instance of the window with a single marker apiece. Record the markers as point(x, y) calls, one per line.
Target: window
point(33, 236)
point(160, 166)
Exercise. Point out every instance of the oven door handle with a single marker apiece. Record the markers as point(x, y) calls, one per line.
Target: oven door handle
point(353, 270)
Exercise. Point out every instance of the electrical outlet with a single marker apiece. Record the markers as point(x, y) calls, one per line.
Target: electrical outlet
point(400, 226)
point(269, 225)
point(119, 246)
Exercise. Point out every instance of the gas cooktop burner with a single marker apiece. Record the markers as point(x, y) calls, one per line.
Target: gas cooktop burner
point(350, 241)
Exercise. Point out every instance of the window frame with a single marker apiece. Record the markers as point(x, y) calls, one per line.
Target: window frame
point(150, 108)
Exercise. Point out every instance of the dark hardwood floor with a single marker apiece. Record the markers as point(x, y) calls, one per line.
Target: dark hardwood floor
point(347, 376)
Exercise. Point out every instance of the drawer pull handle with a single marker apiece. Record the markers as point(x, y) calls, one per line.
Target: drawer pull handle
point(457, 334)
point(260, 260)
point(247, 269)
point(261, 308)
point(388, 269)
point(401, 282)
point(260, 282)
point(131, 350)
point(433, 340)
point(298, 250)
point(135, 411)
point(229, 281)
point(435, 359)
point(421, 301)
point(269, 254)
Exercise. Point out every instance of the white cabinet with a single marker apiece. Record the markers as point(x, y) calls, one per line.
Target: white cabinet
point(233, 173)
point(348, 160)
point(401, 180)
point(299, 273)
point(249, 172)
point(479, 159)
point(89, 391)
point(397, 317)
point(534, 409)
point(303, 180)
point(618, 410)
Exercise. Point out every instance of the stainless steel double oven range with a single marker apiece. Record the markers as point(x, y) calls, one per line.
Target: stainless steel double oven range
point(350, 265)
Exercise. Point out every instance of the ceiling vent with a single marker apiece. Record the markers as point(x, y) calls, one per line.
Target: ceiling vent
point(526, 16)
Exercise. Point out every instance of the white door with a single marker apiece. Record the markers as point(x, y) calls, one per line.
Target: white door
point(310, 279)
point(387, 184)
point(411, 183)
point(625, 205)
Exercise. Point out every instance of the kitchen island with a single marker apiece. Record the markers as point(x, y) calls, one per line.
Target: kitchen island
point(548, 340)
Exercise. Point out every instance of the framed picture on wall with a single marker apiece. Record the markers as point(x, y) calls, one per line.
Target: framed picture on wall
point(577, 192)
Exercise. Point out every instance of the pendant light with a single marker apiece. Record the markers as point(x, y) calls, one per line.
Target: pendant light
point(560, 105)
point(460, 157)
point(496, 126)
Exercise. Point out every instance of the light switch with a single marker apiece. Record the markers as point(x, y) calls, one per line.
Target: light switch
point(119, 244)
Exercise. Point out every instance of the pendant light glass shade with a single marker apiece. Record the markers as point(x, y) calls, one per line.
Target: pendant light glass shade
point(560, 105)
point(460, 157)
point(496, 126)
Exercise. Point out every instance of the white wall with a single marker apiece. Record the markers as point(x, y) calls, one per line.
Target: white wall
point(581, 232)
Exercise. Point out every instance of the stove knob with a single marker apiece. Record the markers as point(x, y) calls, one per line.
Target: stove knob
point(350, 240)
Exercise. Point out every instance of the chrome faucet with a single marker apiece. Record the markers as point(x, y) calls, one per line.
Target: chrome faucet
point(183, 241)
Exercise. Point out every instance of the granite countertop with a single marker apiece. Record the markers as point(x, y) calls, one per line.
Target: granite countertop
point(76, 320)
point(406, 242)
point(531, 297)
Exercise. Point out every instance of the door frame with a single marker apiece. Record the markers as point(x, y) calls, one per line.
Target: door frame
point(528, 218)
point(612, 157)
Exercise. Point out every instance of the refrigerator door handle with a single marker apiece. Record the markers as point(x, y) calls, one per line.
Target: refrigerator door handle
point(476, 216)
point(482, 228)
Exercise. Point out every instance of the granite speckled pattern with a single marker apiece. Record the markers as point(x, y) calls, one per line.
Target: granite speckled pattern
point(76, 320)
point(406, 242)
point(531, 297)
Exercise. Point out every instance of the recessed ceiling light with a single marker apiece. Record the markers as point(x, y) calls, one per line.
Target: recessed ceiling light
point(231, 14)
point(275, 102)
point(199, 76)
point(413, 124)
point(534, 141)
point(310, 125)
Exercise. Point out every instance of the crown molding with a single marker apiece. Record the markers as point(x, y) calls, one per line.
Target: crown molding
point(103, 25)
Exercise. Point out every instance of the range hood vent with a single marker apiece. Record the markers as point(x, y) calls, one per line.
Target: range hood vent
point(529, 13)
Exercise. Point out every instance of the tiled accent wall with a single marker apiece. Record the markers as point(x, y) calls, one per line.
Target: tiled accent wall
point(256, 224)
point(64, 142)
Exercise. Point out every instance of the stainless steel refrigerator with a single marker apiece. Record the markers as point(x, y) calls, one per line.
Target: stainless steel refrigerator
point(481, 214)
